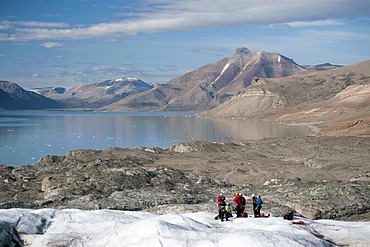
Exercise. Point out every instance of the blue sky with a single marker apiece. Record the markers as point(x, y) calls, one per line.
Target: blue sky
point(69, 42)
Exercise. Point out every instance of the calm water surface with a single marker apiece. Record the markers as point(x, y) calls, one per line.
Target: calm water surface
point(27, 136)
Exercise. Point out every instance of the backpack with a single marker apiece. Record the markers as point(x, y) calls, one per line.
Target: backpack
point(243, 201)
point(288, 215)
point(259, 202)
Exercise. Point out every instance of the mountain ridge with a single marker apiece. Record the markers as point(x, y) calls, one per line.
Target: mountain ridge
point(325, 97)
point(98, 94)
point(210, 85)
point(14, 97)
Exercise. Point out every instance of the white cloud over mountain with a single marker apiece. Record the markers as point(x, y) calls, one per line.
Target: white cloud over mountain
point(166, 15)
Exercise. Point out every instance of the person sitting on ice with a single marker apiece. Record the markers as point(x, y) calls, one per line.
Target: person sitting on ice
point(228, 211)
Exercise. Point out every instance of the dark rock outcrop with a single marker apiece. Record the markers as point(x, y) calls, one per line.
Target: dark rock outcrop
point(90, 179)
point(9, 235)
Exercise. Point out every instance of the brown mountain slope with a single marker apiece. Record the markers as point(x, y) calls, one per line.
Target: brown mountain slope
point(210, 85)
point(14, 97)
point(150, 100)
point(328, 97)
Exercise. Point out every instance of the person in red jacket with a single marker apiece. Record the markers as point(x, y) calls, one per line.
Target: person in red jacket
point(239, 206)
point(221, 206)
point(219, 199)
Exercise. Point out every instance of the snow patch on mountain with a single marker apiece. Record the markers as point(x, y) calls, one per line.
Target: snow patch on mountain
point(223, 71)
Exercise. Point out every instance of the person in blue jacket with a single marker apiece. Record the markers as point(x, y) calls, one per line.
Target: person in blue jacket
point(258, 208)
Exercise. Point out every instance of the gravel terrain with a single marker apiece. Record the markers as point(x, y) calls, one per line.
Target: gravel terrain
point(318, 177)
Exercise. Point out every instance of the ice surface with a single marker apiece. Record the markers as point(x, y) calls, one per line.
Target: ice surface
point(71, 227)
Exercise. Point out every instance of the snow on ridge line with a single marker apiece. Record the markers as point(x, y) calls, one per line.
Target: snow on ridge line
point(132, 78)
point(129, 78)
point(45, 227)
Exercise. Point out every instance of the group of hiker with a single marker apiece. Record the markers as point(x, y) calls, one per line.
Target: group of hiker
point(239, 203)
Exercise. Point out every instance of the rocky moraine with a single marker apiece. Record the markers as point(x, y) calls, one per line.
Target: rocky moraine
point(317, 177)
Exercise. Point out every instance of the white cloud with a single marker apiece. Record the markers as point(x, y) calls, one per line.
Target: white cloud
point(166, 15)
point(4, 26)
point(10, 24)
point(51, 44)
point(212, 51)
point(338, 35)
point(314, 23)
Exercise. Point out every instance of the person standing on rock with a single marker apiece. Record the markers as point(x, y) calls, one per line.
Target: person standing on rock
point(239, 204)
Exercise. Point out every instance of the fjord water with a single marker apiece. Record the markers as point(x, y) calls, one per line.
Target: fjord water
point(27, 136)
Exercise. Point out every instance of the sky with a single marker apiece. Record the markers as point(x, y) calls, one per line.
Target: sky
point(69, 42)
point(49, 227)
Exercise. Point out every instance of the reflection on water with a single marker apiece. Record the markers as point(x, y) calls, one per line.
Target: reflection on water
point(27, 136)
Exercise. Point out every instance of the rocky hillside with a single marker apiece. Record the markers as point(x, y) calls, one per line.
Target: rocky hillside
point(318, 177)
point(328, 97)
point(210, 85)
point(14, 97)
point(97, 94)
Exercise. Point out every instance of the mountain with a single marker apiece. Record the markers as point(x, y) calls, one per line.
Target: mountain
point(14, 97)
point(97, 94)
point(210, 85)
point(339, 95)
point(236, 72)
point(323, 66)
point(150, 100)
